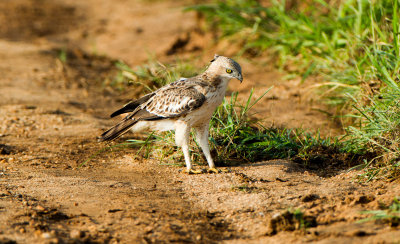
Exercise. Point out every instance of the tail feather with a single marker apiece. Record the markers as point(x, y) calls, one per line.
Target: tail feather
point(132, 105)
point(118, 130)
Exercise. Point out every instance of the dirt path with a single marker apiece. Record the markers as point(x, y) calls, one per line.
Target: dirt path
point(43, 194)
point(50, 115)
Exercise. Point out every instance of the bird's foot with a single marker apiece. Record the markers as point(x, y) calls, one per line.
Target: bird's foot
point(204, 171)
point(217, 171)
point(195, 171)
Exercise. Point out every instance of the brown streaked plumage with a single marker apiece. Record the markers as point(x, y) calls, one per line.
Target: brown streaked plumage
point(181, 105)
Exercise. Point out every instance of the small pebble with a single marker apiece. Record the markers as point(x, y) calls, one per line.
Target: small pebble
point(148, 229)
point(92, 229)
point(47, 235)
point(76, 234)
point(39, 208)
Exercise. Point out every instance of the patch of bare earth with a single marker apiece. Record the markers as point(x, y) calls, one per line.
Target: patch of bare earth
point(51, 113)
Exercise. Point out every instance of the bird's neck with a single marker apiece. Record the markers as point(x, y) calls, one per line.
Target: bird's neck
point(215, 80)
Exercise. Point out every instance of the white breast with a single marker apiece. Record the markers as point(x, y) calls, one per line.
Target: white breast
point(198, 117)
point(203, 114)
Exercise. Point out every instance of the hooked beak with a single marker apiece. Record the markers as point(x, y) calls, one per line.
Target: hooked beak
point(240, 77)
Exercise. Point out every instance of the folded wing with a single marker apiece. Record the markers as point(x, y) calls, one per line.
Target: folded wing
point(171, 101)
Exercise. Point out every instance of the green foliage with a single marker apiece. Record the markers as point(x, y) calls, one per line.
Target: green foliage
point(378, 132)
point(389, 215)
point(351, 46)
point(244, 188)
point(291, 220)
point(234, 135)
point(344, 44)
point(303, 222)
point(62, 56)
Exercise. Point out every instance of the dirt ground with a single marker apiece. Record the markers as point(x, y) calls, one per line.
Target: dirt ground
point(51, 113)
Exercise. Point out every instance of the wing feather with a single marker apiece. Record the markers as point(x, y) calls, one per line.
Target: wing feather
point(118, 130)
point(173, 100)
point(132, 105)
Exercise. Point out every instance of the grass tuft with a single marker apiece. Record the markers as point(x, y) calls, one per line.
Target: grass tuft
point(390, 215)
point(351, 47)
point(235, 137)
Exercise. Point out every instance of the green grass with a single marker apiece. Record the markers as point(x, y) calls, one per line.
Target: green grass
point(291, 220)
point(390, 215)
point(244, 188)
point(345, 44)
point(235, 137)
point(304, 222)
point(352, 49)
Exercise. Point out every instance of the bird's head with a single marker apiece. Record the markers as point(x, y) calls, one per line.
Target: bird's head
point(225, 67)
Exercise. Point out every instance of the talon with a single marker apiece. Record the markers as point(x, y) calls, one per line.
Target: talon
point(213, 170)
point(209, 170)
point(217, 171)
point(195, 171)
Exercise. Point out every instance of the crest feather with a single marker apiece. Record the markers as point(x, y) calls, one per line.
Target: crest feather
point(215, 57)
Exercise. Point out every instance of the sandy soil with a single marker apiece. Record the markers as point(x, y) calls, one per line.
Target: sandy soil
point(51, 114)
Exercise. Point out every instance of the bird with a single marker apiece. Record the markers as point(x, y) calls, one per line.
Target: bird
point(181, 105)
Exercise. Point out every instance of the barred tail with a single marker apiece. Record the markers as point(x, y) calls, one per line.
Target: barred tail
point(118, 130)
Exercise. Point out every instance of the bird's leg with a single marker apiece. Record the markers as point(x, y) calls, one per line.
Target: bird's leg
point(182, 132)
point(202, 137)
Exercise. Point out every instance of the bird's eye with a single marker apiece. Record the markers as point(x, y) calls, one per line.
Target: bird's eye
point(228, 71)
